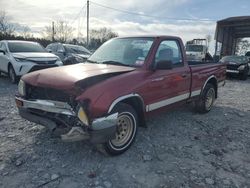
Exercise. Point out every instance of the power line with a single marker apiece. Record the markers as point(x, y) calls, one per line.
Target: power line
point(81, 21)
point(77, 16)
point(151, 16)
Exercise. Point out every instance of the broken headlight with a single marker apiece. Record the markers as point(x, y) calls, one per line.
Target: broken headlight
point(21, 88)
point(81, 114)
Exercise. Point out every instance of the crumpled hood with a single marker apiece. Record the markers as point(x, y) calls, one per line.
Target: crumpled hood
point(65, 77)
point(35, 56)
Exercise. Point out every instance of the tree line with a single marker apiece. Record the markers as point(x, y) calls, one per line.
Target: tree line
point(63, 33)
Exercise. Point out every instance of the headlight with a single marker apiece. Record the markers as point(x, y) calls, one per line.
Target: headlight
point(78, 58)
point(20, 59)
point(242, 67)
point(82, 116)
point(59, 62)
point(21, 88)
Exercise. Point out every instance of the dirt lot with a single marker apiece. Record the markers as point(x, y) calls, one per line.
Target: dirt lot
point(178, 149)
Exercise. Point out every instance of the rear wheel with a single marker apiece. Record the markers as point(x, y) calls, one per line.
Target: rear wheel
point(12, 75)
point(206, 100)
point(126, 129)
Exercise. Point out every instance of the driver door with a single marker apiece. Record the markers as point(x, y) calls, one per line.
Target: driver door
point(168, 86)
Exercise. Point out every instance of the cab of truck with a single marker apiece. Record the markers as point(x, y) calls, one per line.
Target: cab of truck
point(196, 52)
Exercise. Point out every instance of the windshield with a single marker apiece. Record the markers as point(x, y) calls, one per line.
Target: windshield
point(77, 49)
point(25, 47)
point(194, 48)
point(123, 51)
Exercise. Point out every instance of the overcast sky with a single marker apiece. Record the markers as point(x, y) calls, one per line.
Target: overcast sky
point(39, 13)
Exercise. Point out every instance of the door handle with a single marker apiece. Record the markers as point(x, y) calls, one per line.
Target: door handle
point(184, 75)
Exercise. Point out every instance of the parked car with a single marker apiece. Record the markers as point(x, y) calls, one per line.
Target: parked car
point(68, 53)
point(107, 98)
point(237, 65)
point(248, 55)
point(20, 57)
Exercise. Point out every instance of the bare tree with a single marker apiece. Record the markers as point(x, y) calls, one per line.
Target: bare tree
point(209, 39)
point(99, 36)
point(26, 32)
point(103, 34)
point(63, 32)
point(6, 28)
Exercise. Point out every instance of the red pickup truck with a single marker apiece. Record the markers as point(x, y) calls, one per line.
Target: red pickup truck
point(105, 99)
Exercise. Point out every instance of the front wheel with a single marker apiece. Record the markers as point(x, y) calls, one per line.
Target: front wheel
point(126, 129)
point(244, 75)
point(206, 100)
point(12, 75)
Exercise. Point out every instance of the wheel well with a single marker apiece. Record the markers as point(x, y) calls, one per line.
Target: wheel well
point(138, 106)
point(9, 64)
point(213, 81)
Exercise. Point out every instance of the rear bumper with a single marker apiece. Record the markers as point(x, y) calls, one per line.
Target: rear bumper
point(101, 129)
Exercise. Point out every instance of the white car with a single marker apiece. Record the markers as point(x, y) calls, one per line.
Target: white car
point(20, 57)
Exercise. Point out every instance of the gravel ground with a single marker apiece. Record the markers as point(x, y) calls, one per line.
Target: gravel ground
point(178, 149)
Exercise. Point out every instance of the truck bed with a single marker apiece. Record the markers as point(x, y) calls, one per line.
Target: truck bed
point(194, 63)
point(201, 71)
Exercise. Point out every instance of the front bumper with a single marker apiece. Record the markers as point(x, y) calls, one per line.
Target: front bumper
point(99, 131)
point(233, 71)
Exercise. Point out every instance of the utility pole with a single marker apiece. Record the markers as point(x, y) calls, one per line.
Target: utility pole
point(87, 22)
point(53, 32)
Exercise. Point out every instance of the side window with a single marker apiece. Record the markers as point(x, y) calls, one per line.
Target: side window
point(169, 50)
point(52, 47)
point(60, 48)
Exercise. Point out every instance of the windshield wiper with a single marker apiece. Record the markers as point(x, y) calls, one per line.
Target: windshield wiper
point(115, 63)
point(92, 61)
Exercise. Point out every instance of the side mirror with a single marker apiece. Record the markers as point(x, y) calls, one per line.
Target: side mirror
point(163, 65)
point(2, 51)
point(49, 50)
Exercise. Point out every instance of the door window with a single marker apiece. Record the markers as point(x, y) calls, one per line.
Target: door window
point(60, 48)
point(169, 50)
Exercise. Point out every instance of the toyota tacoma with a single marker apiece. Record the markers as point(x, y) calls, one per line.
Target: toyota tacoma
point(105, 99)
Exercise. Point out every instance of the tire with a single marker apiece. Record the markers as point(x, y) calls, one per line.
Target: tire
point(244, 75)
point(127, 124)
point(12, 75)
point(206, 100)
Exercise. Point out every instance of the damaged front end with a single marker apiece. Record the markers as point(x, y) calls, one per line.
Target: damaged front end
point(55, 109)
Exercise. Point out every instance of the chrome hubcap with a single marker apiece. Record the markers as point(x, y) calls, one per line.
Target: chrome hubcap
point(209, 98)
point(124, 130)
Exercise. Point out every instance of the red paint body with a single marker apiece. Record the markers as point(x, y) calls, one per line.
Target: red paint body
point(151, 85)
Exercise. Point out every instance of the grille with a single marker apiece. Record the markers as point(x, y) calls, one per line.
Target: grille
point(40, 67)
point(232, 67)
point(45, 62)
point(46, 94)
